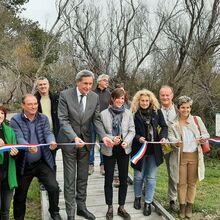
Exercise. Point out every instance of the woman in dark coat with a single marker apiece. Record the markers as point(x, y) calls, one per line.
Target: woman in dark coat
point(148, 120)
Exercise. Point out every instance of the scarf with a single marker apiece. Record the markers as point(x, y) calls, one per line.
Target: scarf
point(9, 139)
point(116, 119)
point(146, 115)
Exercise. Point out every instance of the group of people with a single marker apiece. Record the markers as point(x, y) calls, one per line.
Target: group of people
point(141, 131)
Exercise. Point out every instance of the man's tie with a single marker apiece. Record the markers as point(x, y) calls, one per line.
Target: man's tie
point(81, 107)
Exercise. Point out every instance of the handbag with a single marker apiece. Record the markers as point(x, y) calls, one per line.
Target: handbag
point(205, 147)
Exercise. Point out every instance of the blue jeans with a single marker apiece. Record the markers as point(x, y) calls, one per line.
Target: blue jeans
point(92, 149)
point(148, 173)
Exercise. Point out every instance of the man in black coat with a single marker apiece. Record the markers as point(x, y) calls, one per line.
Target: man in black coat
point(48, 105)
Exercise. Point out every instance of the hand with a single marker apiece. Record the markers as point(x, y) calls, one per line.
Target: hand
point(2, 143)
point(117, 140)
point(32, 150)
point(179, 144)
point(53, 145)
point(14, 151)
point(108, 142)
point(124, 144)
point(163, 140)
point(80, 143)
point(202, 140)
point(142, 140)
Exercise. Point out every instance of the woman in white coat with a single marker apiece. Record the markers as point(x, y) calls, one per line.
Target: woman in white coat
point(186, 159)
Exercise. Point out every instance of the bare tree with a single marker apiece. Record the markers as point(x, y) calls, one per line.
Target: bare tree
point(56, 30)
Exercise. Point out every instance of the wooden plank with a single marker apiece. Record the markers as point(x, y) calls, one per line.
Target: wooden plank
point(95, 197)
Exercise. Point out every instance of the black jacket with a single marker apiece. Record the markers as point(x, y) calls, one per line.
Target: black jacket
point(104, 98)
point(157, 120)
point(54, 106)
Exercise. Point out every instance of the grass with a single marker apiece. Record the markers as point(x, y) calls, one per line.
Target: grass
point(33, 204)
point(207, 202)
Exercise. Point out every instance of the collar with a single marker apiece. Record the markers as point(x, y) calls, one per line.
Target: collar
point(167, 109)
point(79, 93)
point(26, 117)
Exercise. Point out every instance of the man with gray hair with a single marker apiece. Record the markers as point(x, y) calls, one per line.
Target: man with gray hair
point(104, 99)
point(78, 108)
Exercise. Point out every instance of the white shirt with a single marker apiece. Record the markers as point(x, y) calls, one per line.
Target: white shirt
point(189, 142)
point(169, 114)
point(79, 97)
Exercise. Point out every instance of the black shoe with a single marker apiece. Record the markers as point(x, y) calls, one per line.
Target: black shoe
point(137, 203)
point(147, 209)
point(109, 213)
point(56, 216)
point(42, 188)
point(70, 218)
point(85, 213)
point(122, 212)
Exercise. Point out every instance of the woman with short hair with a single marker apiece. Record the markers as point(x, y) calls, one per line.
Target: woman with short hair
point(119, 126)
point(186, 159)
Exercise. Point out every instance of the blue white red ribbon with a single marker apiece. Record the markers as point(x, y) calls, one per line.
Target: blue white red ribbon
point(140, 153)
point(214, 140)
point(134, 159)
point(8, 147)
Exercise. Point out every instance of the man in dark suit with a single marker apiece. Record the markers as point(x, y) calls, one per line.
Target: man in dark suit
point(78, 108)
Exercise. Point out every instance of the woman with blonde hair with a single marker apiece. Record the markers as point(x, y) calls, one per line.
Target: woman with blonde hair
point(186, 159)
point(147, 118)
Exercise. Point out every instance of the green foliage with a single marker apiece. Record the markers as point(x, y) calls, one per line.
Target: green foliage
point(33, 204)
point(13, 5)
point(207, 200)
point(38, 38)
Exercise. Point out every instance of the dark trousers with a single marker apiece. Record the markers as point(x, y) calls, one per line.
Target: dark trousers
point(47, 176)
point(109, 164)
point(5, 199)
point(76, 166)
point(92, 149)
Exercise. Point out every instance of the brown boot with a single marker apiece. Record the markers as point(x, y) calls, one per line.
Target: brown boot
point(189, 210)
point(182, 211)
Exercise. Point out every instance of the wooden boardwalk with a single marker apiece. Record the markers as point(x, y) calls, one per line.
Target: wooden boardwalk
point(95, 199)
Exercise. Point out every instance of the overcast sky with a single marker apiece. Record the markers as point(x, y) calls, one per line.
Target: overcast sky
point(44, 11)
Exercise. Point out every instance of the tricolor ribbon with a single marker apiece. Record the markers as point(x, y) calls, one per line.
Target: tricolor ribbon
point(140, 153)
point(214, 140)
point(7, 147)
point(134, 159)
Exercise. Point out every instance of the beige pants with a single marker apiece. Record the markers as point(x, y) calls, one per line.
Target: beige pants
point(188, 176)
